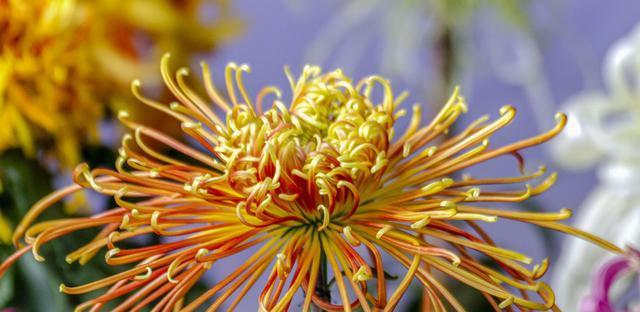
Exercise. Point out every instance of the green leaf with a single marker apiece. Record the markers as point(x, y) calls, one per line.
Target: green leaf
point(6, 283)
point(24, 182)
point(39, 285)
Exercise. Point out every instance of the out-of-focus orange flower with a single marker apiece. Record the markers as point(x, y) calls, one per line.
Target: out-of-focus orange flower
point(304, 181)
point(63, 61)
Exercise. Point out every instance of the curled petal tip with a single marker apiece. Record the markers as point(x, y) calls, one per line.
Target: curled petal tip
point(202, 252)
point(326, 218)
point(245, 67)
point(507, 109)
point(144, 276)
point(567, 212)
point(183, 71)
point(121, 192)
point(37, 256)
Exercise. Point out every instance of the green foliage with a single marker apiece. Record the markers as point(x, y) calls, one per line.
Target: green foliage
point(24, 181)
point(29, 285)
point(7, 282)
point(33, 286)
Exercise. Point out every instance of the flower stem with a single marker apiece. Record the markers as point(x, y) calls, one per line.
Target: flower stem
point(322, 284)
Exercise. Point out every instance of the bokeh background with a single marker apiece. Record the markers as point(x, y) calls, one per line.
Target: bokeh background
point(534, 55)
point(572, 38)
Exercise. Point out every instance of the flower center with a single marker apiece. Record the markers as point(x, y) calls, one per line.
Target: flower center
point(314, 157)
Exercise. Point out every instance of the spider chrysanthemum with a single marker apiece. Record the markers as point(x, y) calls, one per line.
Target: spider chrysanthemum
point(321, 177)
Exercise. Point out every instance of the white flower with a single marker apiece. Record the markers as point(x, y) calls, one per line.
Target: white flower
point(603, 129)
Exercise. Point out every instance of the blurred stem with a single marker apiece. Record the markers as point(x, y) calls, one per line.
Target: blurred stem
point(322, 284)
point(445, 63)
point(446, 58)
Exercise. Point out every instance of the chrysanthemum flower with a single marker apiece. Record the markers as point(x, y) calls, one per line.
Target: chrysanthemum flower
point(62, 61)
point(322, 177)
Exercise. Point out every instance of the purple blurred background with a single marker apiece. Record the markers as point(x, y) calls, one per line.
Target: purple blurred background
point(573, 37)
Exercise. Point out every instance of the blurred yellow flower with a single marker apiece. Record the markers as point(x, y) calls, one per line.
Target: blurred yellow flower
point(63, 61)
